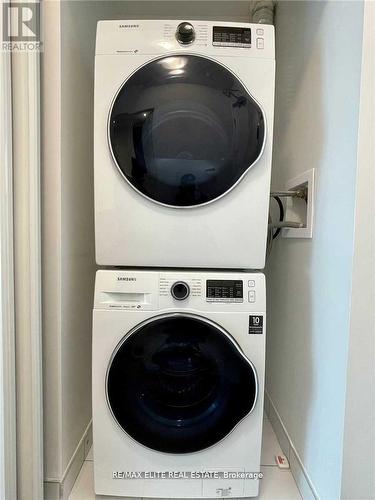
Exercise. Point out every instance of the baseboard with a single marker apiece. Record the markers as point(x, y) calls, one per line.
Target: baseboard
point(301, 477)
point(60, 490)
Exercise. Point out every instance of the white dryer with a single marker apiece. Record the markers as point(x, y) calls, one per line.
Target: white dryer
point(183, 143)
point(178, 381)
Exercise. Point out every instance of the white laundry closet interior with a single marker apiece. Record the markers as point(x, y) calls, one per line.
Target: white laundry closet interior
point(316, 313)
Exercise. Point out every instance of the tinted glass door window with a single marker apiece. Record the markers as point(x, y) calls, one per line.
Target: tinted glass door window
point(179, 384)
point(183, 130)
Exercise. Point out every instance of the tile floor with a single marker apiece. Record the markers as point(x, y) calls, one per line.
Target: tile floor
point(276, 485)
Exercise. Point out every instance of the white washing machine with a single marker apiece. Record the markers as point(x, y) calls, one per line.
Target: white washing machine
point(183, 143)
point(178, 381)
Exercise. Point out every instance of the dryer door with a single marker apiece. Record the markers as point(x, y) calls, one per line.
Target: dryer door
point(179, 384)
point(183, 130)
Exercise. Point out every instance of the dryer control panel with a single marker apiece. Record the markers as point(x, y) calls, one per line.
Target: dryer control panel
point(213, 38)
point(229, 36)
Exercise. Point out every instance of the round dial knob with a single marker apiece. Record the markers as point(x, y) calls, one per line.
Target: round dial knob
point(180, 290)
point(185, 33)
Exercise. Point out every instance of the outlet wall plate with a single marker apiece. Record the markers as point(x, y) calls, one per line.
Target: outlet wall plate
point(298, 210)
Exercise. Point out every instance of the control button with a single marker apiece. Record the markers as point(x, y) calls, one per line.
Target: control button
point(252, 296)
point(180, 290)
point(251, 283)
point(260, 31)
point(260, 43)
point(185, 33)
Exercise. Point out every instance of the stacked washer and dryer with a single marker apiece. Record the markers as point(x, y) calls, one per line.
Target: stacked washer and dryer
point(183, 145)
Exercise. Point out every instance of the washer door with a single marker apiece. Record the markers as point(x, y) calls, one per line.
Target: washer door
point(183, 130)
point(179, 384)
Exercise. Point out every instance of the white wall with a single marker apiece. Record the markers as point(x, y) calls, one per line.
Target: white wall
point(358, 479)
point(77, 224)
point(318, 63)
point(68, 242)
point(51, 239)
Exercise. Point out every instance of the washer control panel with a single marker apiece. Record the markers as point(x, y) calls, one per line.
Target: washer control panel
point(180, 290)
point(133, 290)
point(224, 291)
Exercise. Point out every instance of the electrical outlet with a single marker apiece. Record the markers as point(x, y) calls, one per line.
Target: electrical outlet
point(299, 210)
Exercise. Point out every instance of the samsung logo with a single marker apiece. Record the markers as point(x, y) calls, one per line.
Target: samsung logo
point(125, 278)
point(128, 25)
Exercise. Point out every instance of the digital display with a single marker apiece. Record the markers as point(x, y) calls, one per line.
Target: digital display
point(224, 291)
point(231, 37)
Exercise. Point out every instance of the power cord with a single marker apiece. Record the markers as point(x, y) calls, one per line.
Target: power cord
point(272, 226)
point(281, 216)
point(271, 234)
